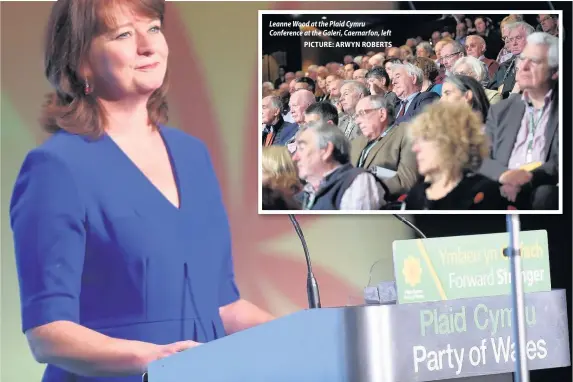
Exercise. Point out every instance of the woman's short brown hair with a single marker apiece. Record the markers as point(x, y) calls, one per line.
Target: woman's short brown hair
point(72, 26)
point(428, 67)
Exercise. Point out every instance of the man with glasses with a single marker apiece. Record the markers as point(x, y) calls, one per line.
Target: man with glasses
point(451, 52)
point(476, 47)
point(523, 130)
point(549, 24)
point(384, 148)
point(504, 80)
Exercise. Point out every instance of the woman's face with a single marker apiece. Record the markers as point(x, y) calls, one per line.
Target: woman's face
point(130, 60)
point(450, 93)
point(427, 156)
point(322, 84)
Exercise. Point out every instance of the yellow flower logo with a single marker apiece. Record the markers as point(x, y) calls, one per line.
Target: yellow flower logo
point(412, 271)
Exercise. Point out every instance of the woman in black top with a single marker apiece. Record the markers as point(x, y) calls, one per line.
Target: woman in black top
point(449, 144)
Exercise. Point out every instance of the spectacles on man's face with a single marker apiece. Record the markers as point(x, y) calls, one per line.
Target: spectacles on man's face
point(364, 112)
point(449, 56)
point(464, 73)
point(546, 18)
point(512, 39)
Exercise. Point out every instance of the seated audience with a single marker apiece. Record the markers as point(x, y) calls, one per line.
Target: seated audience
point(451, 52)
point(274, 200)
point(378, 82)
point(323, 112)
point(430, 72)
point(504, 80)
point(352, 92)
point(549, 24)
point(424, 49)
point(475, 47)
point(279, 171)
point(276, 130)
point(332, 183)
point(449, 145)
point(407, 80)
point(384, 148)
point(505, 54)
point(471, 66)
point(305, 83)
point(372, 97)
point(523, 129)
point(467, 90)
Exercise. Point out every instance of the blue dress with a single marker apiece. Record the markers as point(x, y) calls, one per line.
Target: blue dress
point(97, 244)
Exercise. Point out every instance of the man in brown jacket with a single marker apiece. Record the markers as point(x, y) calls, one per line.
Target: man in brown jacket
point(384, 148)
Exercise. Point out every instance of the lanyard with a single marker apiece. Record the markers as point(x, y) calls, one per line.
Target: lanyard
point(370, 145)
point(309, 202)
point(531, 133)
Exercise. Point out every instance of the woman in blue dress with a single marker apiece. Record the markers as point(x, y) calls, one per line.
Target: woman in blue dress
point(122, 242)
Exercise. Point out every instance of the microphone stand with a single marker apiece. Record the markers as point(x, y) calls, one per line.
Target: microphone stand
point(311, 283)
point(518, 306)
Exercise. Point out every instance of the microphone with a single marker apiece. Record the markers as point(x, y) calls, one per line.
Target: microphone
point(385, 292)
point(311, 283)
point(410, 224)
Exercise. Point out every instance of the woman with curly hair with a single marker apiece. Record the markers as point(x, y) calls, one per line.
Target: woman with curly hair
point(450, 145)
point(279, 174)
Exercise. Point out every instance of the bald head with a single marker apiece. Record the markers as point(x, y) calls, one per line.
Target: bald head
point(300, 100)
point(475, 46)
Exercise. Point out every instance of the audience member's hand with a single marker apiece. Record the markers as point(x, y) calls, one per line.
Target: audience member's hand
point(516, 88)
point(516, 178)
point(509, 192)
point(339, 107)
point(375, 89)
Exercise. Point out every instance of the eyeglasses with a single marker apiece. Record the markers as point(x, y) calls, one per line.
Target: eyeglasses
point(541, 21)
point(362, 113)
point(444, 58)
point(512, 39)
point(464, 73)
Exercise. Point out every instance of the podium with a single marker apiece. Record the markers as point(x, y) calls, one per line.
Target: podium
point(465, 340)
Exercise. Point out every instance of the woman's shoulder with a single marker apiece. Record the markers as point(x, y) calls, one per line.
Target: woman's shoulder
point(484, 192)
point(60, 147)
point(180, 137)
point(416, 198)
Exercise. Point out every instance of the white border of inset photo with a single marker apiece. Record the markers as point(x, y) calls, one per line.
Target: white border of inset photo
point(409, 212)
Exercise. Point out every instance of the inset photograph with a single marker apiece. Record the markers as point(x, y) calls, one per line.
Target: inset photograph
point(377, 112)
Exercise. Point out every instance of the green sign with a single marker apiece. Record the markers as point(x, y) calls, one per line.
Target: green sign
point(467, 266)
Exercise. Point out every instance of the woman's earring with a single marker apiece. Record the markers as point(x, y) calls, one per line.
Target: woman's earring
point(87, 87)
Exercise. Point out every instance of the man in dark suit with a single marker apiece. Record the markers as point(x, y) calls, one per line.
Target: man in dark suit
point(504, 80)
point(523, 130)
point(276, 131)
point(407, 82)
